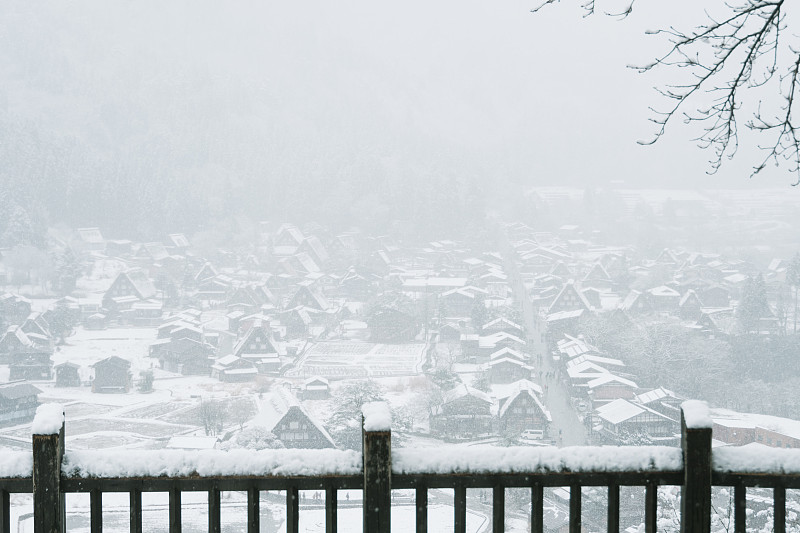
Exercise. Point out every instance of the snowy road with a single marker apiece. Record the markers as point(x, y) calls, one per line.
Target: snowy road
point(566, 429)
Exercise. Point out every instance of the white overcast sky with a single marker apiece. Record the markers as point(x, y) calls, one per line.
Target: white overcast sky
point(549, 95)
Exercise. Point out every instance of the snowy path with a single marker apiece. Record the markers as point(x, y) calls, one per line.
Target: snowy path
point(566, 423)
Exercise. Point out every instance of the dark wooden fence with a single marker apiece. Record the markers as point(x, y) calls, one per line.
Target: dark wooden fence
point(377, 477)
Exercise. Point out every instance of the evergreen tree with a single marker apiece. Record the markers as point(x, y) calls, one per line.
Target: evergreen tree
point(793, 279)
point(19, 230)
point(478, 313)
point(481, 382)
point(753, 305)
point(67, 271)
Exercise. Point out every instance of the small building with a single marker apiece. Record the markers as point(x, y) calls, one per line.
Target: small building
point(316, 388)
point(233, 369)
point(18, 403)
point(522, 409)
point(505, 325)
point(96, 322)
point(128, 288)
point(183, 355)
point(465, 413)
point(624, 422)
point(67, 375)
point(571, 298)
point(112, 375)
point(508, 370)
point(281, 414)
point(258, 347)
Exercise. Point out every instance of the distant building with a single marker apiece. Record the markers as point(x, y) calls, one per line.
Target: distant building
point(18, 403)
point(465, 413)
point(112, 375)
point(316, 388)
point(67, 375)
point(521, 408)
point(281, 414)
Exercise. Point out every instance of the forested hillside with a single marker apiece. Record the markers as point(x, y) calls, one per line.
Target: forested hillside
point(255, 112)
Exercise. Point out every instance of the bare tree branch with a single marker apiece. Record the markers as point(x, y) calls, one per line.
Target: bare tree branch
point(731, 65)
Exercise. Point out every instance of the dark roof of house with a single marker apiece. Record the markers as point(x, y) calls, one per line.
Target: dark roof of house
point(21, 390)
point(113, 360)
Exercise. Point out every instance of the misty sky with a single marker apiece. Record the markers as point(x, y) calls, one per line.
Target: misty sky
point(538, 98)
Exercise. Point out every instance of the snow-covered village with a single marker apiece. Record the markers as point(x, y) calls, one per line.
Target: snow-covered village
point(453, 266)
point(523, 339)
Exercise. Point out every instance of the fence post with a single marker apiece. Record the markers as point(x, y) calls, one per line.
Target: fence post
point(49, 511)
point(696, 444)
point(377, 457)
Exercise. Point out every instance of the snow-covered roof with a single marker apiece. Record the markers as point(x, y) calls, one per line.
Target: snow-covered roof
point(618, 411)
point(462, 390)
point(272, 409)
point(610, 378)
point(524, 386)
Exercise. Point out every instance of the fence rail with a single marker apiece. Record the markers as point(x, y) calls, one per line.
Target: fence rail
point(378, 471)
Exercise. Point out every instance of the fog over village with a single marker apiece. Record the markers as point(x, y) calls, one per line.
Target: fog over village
point(227, 228)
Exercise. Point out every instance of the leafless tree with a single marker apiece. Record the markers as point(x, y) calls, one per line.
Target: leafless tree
point(212, 414)
point(741, 66)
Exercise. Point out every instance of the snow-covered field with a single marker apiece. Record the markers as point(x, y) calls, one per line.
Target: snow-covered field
point(350, 360)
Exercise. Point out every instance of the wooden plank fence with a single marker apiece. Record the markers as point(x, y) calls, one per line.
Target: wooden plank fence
point(377, 479)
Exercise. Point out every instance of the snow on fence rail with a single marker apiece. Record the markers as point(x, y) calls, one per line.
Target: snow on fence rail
point(521, 460)
point(211, 463)
point(756, 459)
point(15, 464)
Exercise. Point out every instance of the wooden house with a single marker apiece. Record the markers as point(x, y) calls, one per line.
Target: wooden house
point(662, 400)
point(314, 248)
point(28, 356)
point(597, 278)
point(95, 322)
point(449, 333)
point(505, 325)
point(128, 288)
point(622, 421)
point(460, 302)
point(637, 303)
point(152, 252)
point(521, 408)
point(507, 370)
point(258, 347)
point(112, 375)
point(310, 296)
point(184, 355)
point(569, 299)
point(665, 299)
point(316, 388)
point(233, 369)
point(14, 308)
point(287, 240)
point(281, 414)
point(561, 270)
point(715, 296)
point(67, 375)
point(357, 286)
point(690, 306)
point(18, 403)
point(465, 413)
point(90, 240)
